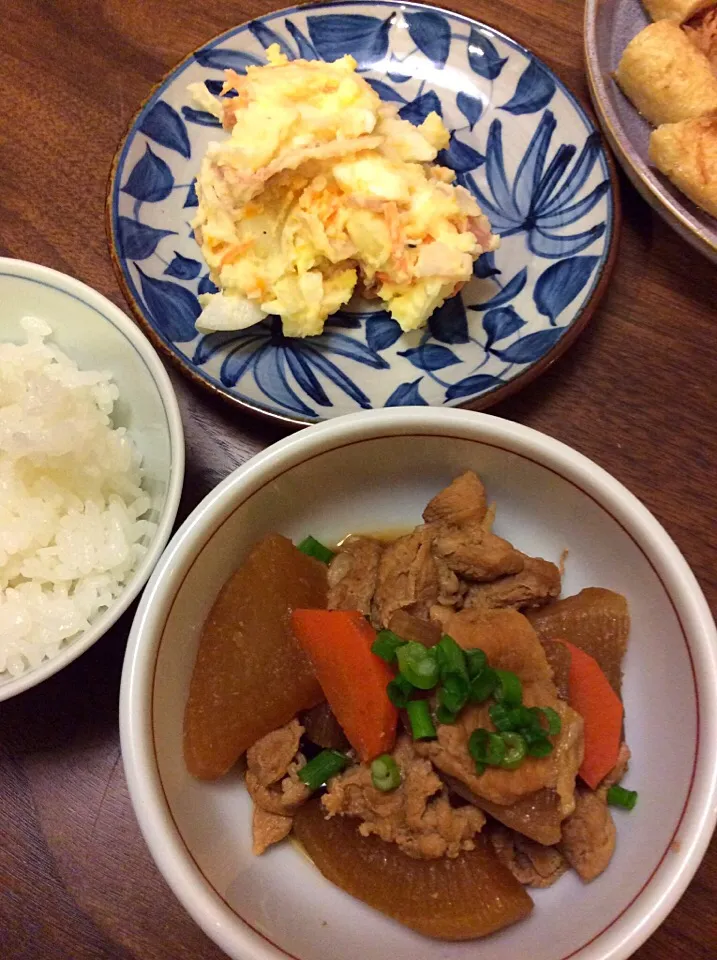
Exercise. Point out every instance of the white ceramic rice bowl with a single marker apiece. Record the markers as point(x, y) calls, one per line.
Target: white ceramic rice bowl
point(377, 470)
point(98, 336)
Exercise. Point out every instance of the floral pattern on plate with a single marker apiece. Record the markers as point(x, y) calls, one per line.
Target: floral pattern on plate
point(519, 141)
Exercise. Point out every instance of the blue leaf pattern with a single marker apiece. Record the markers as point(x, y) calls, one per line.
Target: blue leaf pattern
point(382, 332)
point(473, 386)
point(470, 107)
point(183, 268)
point(460, 157)
point(531, 348)
point(163, 124)
point(210, 344)
point(483, 57)
point(407, 395)
point(239, 360)
point(192, 200)
point(305, 376)
point(560, 284)
point(207, 285)
point(270, 374)
point(535, 90)
point(365, 38)
point(174, 309)
point(266, 36)
point(432, 35)
point(222, 58)
point(430, 357)
point(417, 110)
point(202, 117)
point(136, 240)
point(386, 91)
point(306, 50)
point(449, 323)
point(501, 323)
point(485, 267)
point(508, 293)
point(552, 192)
point(150, 180)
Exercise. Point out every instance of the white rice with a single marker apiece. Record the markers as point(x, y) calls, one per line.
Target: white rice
point(71, 501)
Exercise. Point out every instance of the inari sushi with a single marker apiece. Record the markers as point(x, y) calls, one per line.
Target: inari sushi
point(686, 152)
point(666, 76)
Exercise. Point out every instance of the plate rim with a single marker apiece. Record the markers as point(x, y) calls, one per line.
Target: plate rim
point(485, 400)
point(646, 182)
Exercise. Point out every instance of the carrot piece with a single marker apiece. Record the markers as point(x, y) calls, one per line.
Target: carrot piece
point(590, 693)
point(338, 643)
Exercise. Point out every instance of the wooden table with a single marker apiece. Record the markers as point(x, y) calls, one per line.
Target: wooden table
point(636, 394)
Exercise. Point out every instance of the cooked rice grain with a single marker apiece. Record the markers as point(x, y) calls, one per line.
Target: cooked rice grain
point(71, 502)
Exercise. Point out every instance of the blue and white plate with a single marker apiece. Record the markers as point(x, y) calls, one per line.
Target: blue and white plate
point(520, 141)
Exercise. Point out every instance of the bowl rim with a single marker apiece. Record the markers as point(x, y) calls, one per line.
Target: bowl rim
point(481, 402)
point(69, 286)
point(675, 212)
point(235, 936)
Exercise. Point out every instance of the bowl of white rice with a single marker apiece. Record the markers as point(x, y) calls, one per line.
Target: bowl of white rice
point(91, 468)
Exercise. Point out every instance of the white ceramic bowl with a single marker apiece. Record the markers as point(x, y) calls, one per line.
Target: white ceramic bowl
point(375, 470)
point(95, 333)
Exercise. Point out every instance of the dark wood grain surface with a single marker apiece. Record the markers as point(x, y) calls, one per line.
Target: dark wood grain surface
point(636, 393)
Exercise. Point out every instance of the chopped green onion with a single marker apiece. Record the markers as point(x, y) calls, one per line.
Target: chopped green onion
point(620, 797)
point(453, 694)
point(418, 665)
point(314, 548)
point(324, 766)
point(478, 744)
point(539, 747)
point(444, 715)
point(552, 718)
point(500, 717)
point(451, 659)
point(385, 774)
point(509, 690)
point(399, 691)
point(514, 752)
point(386, 644)
point(421, 724)
point(521, 718)
point(483, 685)
point(476, 662)
point(486, 748)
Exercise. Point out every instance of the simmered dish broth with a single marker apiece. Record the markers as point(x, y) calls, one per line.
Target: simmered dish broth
point(425, 715)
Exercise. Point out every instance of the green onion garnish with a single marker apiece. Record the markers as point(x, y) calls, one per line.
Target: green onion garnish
point(314, 548)
point(539, 747)
point(399, 691)
point(552, 717)
point(444, 715)
point(514, 752)
point(483, 685)
point(522, 718)
point(486, 748)
point(421, 724)
point(500, 717)
point(324, 766)
point(476, 662)
point(509, 690)
point(453, 693)
point(451, 659)
point(620, 797)
point(418, 665)
point(385, 774)
point(386, 644)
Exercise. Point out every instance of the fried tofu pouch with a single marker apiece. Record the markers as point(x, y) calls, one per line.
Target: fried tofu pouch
point(666, 77)
point(678, 10)
point(686, 152)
